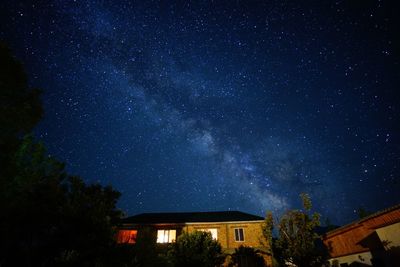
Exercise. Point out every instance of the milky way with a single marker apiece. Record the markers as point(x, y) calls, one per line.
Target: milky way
point(220, 105)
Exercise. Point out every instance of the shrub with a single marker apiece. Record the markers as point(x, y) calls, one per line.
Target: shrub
point(197, 249)
point(246, 257)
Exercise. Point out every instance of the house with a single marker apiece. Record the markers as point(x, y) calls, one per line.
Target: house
point(371, 241)
point(231, 228)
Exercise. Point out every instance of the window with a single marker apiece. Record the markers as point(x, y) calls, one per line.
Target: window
point(213, 231)
point(239, 234)
point(127, 236)
point(166, 236)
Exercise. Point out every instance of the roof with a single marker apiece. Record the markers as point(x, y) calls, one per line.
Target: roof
point(360, 236)
point(191, 217)
point(369, 217)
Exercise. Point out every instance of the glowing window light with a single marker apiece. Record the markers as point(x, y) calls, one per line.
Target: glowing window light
point(127, 236)
point(166, 236)
point(213, 231)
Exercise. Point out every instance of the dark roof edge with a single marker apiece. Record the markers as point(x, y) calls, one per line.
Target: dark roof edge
point(252, 216)
point(189, 223)
point(186, 212)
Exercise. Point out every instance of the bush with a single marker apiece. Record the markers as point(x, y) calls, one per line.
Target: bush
point(197, 249)
point(246, 257)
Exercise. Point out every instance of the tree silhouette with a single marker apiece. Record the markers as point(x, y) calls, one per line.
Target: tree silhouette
point(47, 217)
point(20, 106)
point(297, 242)
point(362, 213)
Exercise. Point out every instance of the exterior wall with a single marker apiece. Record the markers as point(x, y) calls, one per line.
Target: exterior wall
point(226, 233)
point(252, 233)
point(221, 231)
point(364, 258)
point(390, 234)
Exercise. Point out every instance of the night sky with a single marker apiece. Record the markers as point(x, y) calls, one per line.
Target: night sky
point(219, 105)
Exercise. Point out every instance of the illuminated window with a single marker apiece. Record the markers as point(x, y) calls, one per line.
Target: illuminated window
point(239, 234)
point(213, 231)
point(127, 236)
point(166, 236)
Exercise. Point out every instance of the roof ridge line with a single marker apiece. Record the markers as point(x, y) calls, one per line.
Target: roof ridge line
point(380, 212)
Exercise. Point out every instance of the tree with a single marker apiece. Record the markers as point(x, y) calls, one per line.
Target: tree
point(297, 240)
point(148, 252)
point(197, 249)
point(362, 213)
point(20, 106)
point(246, 256)
point(270, 241)
point(47, 217)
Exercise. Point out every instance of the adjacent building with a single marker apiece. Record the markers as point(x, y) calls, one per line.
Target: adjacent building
point(371, 241)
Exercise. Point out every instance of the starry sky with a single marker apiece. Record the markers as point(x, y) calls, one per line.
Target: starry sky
point(219, 105)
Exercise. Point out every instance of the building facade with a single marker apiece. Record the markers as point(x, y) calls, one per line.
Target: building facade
point(371, 241)
point(231, 229)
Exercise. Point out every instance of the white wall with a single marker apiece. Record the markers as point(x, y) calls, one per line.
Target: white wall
point(364, 258)
point(390, 233)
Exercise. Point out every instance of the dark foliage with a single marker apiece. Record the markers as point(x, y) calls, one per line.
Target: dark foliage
point(298, 242)
point(246, 257)
point(20, 106)
point(47, 218)
point(197, 249)
point(147, 252)
point(362, 213)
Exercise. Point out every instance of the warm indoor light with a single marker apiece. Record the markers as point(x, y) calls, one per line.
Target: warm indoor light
point(166, 236)
point(213, 231)
point(127, 236)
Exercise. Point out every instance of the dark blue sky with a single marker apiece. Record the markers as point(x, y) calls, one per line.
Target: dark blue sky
point(216, 105)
